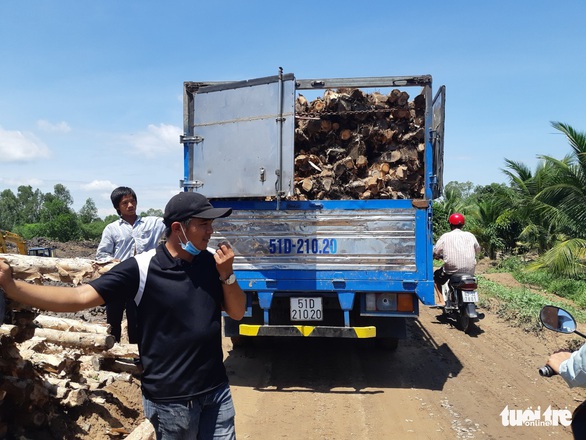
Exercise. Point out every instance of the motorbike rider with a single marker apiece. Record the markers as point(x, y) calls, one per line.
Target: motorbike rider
point(458, 249)
point(571, 366)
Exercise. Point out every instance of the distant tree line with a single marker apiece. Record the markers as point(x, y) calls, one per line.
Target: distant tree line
point(539, 213)
point(31, 213)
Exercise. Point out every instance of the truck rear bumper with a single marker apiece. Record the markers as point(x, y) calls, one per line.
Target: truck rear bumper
point(307, 331)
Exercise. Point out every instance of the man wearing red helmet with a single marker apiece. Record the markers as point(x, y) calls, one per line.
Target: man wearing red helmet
point(458, 249)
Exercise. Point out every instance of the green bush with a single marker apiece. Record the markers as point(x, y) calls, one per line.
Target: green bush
point(93, 230)
point(30, 231)
point(510, 264)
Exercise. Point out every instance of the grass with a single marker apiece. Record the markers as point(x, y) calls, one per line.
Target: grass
point(522, 305)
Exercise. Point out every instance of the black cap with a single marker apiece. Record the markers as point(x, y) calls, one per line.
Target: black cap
point(190, 204)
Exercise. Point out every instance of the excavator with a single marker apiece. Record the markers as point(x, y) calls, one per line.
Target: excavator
point(21, 246)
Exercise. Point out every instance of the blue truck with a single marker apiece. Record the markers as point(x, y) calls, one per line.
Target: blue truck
point(312, 265)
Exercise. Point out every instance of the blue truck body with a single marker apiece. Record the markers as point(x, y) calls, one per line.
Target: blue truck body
point(310, 268)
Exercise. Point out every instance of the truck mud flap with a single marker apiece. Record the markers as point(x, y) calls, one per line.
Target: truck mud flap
point(307, 331)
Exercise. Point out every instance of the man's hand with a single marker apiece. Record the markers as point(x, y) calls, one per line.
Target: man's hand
point(224, 257)
point(557, 358)
point(5, 274)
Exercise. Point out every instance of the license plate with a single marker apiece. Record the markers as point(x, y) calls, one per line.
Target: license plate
point(306, 309)
point(469, 296)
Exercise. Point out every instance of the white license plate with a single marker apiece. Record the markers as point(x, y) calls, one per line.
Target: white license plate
point(306, 309)
point(469, 296)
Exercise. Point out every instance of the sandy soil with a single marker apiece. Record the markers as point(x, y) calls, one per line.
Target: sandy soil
point(439, 384)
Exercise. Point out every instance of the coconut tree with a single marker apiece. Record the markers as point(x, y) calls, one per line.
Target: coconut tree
point(491, 220)
point(562, 203)
point(537, 233)
point(454, 199)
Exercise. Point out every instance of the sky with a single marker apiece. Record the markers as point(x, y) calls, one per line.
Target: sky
point(91, 92)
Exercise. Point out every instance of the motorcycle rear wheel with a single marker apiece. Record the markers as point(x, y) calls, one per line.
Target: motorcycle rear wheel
point(463, 320)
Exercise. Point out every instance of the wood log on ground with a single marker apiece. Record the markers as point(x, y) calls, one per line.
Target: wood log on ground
point(100, 379)
point(25, 393)
point(115, 365)
point(72, 325)
point(9, 330)
point(66, 270)
point(91, 341)
point(74, 398)
point(52, 363)
point(129, 351)
point(144, 431)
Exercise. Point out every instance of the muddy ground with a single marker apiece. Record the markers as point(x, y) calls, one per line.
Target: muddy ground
point(439, 384)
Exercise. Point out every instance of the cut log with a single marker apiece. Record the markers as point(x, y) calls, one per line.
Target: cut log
point(72, 325)
point(9, 330)
point(144, 431)
point(74, 398)
point(52, 363)
point(115, 365)
point(24, 392)
point(91, 341)
point(67, 270)
point(129, 351)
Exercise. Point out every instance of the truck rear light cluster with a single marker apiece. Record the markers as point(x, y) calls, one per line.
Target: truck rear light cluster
point(389, 302)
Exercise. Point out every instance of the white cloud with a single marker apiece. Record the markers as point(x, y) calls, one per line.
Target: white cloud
point(98, 185)
point(60, 127)
point(16, 146)
point(35, 183)
point(156, 140)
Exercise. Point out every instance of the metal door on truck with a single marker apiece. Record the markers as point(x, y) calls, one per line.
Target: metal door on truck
point(244, 138)
point(439, 112)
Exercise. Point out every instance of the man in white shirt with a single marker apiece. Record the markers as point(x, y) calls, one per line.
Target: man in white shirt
point(128, 236)
point(458, 249)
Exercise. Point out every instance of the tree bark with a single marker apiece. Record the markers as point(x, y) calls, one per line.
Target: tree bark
point(66, 270)
point(72, 325)
point(91, 341)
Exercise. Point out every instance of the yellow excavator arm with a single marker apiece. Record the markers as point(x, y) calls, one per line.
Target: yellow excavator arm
point(11, 237)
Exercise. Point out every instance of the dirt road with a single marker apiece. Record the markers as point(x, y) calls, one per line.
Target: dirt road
point(439, 384)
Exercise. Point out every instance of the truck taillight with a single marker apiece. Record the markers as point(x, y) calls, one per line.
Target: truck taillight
point(389, 302)
point(405, 302)
point(381, 302)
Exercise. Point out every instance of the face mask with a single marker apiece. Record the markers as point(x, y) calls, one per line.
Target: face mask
point(188, 247)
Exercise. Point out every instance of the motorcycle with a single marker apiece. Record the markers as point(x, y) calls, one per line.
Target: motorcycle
point(561, 321)
point(461, 296)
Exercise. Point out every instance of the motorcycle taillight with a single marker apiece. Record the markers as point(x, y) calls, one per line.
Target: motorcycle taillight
point(468, 286)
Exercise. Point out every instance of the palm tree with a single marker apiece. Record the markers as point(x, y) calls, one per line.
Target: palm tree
point(537, 233)
point(562, 203)
point(454, 199)
point(491, 220)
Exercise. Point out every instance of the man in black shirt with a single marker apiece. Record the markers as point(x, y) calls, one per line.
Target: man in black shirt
point(180, 289)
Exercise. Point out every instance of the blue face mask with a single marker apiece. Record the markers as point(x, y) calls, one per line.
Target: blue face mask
point(188, 247)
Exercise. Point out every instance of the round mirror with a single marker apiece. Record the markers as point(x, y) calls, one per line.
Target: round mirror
point(557, 319)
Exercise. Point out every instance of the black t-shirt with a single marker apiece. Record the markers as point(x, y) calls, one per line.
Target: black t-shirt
point(179, 321)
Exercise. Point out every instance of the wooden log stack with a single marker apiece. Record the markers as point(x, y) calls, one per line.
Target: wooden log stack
point(48, 363)
point(355, 145)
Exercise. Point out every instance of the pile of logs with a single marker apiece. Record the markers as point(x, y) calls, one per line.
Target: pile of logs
point(355, 145)
point(50, 363)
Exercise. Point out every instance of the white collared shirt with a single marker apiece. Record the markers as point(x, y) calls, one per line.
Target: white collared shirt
point(121, 240)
